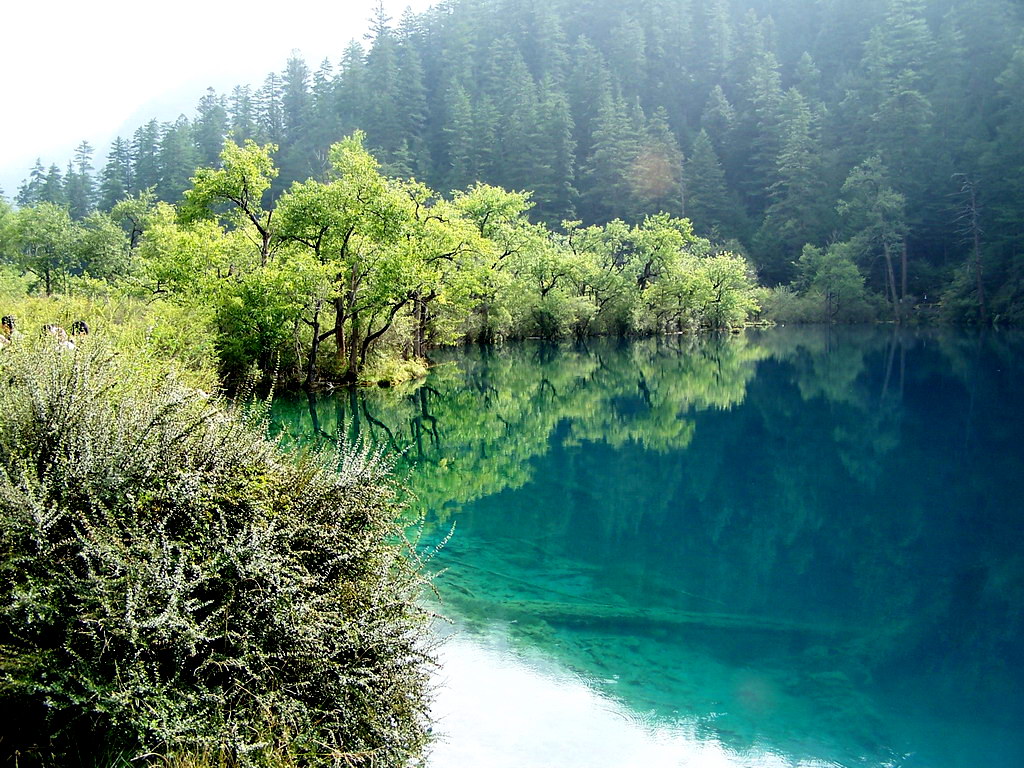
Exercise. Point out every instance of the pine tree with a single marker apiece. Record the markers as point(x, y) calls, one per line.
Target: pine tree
point(116, 176)
point(52, 189)
point(296, 151)
point(516, 100)
point(589, 83)
point(79, 185)
point(325, 129)
point(718, 119)
point(554, 166)
point(145, 157)
point(268, 110)
point(209, 128)
point(296, 101)
point(242, 114)
point(177, 159)
point(607, 172)
point(411, 93)
point(351, 91)
point(656, 176)
point(626, 54)
point(708, 203)
point(1004, 160)
point(383, 116)
point(30, 190)
point(798, 212)
point(460, 130)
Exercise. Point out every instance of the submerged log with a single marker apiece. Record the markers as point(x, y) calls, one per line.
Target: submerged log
point(621, 617)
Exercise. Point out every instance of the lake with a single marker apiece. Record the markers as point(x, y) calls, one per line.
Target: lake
point(791, 546)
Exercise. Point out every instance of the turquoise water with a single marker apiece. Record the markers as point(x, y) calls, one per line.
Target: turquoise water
point(783, 547)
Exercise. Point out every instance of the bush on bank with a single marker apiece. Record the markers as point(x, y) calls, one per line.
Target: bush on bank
point(173, 588)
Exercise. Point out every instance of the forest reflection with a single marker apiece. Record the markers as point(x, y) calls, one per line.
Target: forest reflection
point(802, 539)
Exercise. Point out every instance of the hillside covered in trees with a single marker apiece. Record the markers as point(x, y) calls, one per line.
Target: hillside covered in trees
point(828, 140)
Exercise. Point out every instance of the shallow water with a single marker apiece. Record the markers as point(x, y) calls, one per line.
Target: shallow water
point(786, 547)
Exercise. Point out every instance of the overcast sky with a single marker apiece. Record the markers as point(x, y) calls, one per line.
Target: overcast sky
point(95, 69)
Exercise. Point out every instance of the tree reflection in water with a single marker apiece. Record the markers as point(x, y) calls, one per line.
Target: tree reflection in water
point(799, 538)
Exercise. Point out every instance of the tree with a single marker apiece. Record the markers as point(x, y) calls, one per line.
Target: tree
point(116, 178)
point(268, 110)
point(554, 157)
point(30, 190)
point(615, 148)
point(798, 209)
point(52, 189)
point(708, 203)
point(177, 159)
point(241, 182)
point(242, 114)
point(874, 213)
point(831, 274)
point(353, 225)
point(145, 156)
point(656, 175)
point(101, 247)
point(80, 189)
point(297, 113)
point(43, 238)
point(210, 127)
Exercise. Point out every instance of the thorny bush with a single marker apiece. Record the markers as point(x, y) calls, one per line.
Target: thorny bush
point(171, 584)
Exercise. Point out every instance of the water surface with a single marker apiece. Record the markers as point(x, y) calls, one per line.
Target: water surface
point(784, 547)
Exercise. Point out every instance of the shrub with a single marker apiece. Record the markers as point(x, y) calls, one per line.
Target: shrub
point(174, 588)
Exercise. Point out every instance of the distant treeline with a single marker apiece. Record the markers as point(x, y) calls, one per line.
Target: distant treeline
point(886, 134)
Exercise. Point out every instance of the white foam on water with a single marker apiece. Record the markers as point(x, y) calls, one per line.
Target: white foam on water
point(496, 708)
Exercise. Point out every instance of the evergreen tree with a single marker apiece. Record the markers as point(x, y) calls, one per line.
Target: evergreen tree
point(708, 203)
point(268, 110)
point(656, 176)
point(626, 54)
point(588, 85)
point(52, 189)
point(145, 157)
point(177, 159)
point(80, 187)
point(242, 114)
point(209, 128)
point(608, 170)
point(798, 211)
point(325, 128)
point(383, 117)
point(460, 132)
point(554, 157)
point(297, 113)
point(718, 119)
point(517, 103)
point(30, 191)
point(351, 91)
point(411, 93)
point(116, 176)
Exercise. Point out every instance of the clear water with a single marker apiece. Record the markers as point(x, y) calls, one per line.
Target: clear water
point(784, 547)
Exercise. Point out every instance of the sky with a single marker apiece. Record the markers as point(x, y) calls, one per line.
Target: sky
point(94, 69)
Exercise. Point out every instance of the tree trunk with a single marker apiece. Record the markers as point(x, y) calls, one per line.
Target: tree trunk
point(903, 278)
point(353, 350)
point(339, 329)
point(417, 335)
point(314, 348)
point(891, 282)
point(977, 275)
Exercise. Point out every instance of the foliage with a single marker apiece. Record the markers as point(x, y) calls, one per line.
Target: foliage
point(377, 269)
point(174, 587)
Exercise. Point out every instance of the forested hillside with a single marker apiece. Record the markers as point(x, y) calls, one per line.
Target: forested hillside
point(885, 134)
